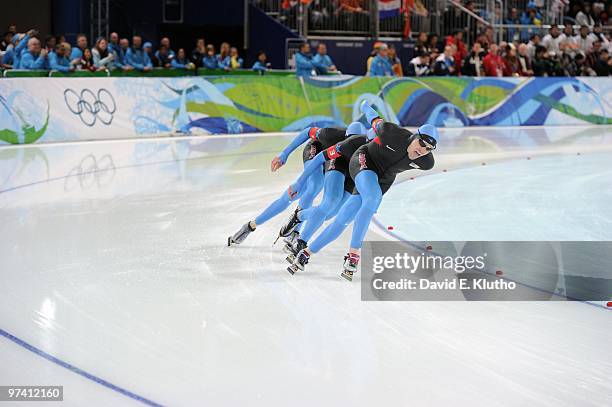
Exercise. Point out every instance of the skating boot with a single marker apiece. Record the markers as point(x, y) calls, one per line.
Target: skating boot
point(300, 260)
point(351, 261)
point(291, 224)
point(290, 242)
point(239, 236)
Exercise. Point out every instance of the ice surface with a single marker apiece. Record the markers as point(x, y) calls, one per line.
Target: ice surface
point(114, 261)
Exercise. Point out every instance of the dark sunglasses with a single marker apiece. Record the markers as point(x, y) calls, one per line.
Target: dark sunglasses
point(431, 142)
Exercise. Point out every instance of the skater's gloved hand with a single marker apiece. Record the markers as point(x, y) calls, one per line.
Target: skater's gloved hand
point(277, 162)
point(293, 190)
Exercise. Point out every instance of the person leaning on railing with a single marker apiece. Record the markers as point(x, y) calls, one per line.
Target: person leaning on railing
point(181, 61)
point(261, 66)
point(120, 55)
point(235, 62)
point(210, 59)
point(322, 62)
point(303, 61)
point(34, 57)
point(137, 57)
point(102, 57)
point(58, 59)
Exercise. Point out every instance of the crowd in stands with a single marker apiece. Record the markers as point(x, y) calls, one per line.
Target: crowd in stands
point(28, 51)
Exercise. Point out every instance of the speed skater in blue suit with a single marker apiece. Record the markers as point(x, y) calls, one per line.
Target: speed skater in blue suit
point(373, 167)
point(318, 140)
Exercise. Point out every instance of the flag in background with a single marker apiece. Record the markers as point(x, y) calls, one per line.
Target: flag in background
point(389, 8)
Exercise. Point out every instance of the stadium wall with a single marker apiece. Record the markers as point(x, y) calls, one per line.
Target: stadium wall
point(67, 109)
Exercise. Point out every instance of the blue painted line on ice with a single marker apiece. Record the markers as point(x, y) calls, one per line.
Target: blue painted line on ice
point(76, 370)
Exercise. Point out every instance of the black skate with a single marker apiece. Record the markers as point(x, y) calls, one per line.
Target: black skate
point(351, 261)
point(299, 260)
point(290, 242)
point(239, 236)
point(289, 227)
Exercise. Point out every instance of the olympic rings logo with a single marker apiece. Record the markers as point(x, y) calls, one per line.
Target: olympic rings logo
point(91, 172)
point(90, 106)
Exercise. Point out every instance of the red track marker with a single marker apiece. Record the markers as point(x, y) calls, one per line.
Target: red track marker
point(499, 273)
point(390, 228)
point(609, 304)
point(429, 248)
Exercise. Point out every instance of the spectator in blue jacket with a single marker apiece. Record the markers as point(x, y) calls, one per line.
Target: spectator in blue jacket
point(120, 60)
point(261, 66)
point(210, 59)
point(34, 57)
point(381, 65)
point(58, 59)
point(322, 62)
point(181, 61)
point(303, 61)
point(137, 57)
point(223, 59)
point(13, 55)
point(77, 52)
point(113, 42)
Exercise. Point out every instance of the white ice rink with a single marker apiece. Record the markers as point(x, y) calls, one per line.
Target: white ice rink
point(116, 283)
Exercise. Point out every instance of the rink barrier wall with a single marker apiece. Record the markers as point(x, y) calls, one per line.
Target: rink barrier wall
point(73, 109)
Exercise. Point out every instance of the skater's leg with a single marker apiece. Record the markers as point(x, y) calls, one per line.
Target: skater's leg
point(316, 215)
point(341, 221)
point(335, 211)
point(314, 187)
point(276, 207)
point(371, 195)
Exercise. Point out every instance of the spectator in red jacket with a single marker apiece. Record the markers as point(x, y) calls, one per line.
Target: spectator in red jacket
point(511, 63)
point(493, 63)
point(457, 40)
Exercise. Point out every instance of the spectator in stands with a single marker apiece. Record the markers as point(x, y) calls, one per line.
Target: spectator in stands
point(20, 44)
point(34, 57)
point(396, 63)
point(235, 60)
point(381, 66)
point(261, 66)
point(470, 25)
point(102, 58)
point(511, 65)
point(602, 66)
point(493, 63)
point(598, 35)
point(136, 57)
point(120, 55)
point(457, 40)
point(585, 16)
point(303, 61)
point(373, 54)
point(210, 61)
point(473, 63)
point(59, 59)
point(12, 29)
point(148, 48)
point(6, 41)
point(162, 56)
point(551, 41)
point(322, 62)
point(223, 59)
point(181, 61)
point(165, 42)
point(584, 42)
point(352, 14)
point(445, 63)
point(419, 65)
point(198, 53)
point(524, 60)
point(50, 43)
point(87, 62)
point(531, 46)
point(77, 52)
point(542, 66)
point(567, 43)
point(421, 46)
point(113, 43)
point(434, 44)
point(513, 19)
